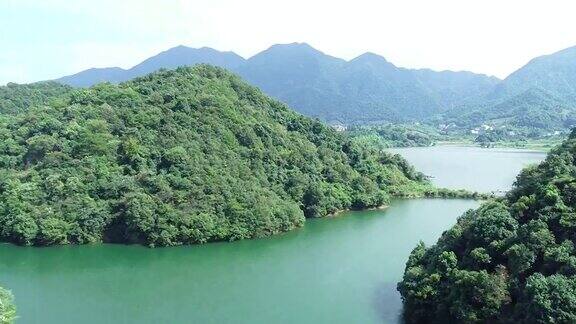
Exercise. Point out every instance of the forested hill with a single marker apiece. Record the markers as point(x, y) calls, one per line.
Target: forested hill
point(554, 73)
point(16, 98)
point(538, 98)
point(508, 261)
point(176, 157)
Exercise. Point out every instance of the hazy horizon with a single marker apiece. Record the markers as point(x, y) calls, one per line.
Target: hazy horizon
point(53, 38)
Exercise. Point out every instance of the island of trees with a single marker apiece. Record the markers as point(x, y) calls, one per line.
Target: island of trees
point(511, 260)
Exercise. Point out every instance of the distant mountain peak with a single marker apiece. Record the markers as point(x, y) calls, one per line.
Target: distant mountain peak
point(179, 48)
point(294, 52)
point(292, 47)
point(171, 58)
point(295, 45)
point(187, 49)
point(370, 57)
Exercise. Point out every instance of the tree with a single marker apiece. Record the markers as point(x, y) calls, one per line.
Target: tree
point(510, 260)
point(7, 308)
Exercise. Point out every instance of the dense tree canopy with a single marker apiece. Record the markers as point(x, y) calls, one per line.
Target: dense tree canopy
point(509, 260)
point(16, 98)
point(531, 114)
point(176, 157)
point(394, 135)
point(7, 308)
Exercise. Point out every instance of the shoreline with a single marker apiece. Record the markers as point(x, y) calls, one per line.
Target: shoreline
point(434, 193)
point(338, 212)
point(527, 148)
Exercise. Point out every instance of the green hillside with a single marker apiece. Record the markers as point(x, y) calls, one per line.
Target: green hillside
point(177, 157)
point(15, 98)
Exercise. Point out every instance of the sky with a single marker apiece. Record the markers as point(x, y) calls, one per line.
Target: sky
point(46, 39)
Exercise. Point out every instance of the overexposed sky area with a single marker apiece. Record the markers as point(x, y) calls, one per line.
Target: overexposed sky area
point(46, 39)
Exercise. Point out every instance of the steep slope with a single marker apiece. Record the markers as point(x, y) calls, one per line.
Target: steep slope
point(554, 73)
point(367, 89)
point(512, 260)
point(298, 75)
point(386, 89)
point(179, 157)
point(540, 97)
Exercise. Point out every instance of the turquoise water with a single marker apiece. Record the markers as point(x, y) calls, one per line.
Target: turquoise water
point(340, 270)
point(337, 270)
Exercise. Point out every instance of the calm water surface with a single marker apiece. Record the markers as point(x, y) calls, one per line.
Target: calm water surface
point(472, 168)
point(339, 270)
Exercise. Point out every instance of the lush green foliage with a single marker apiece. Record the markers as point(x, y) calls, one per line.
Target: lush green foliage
point(534, 101)
point(392, 135)
point(417, 134)
point(7, 308)
point(179, 157)
point(532, 114)
point(16, 98)
point(510, 260)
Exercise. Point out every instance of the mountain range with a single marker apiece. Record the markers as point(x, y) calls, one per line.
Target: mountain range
point(369, 89)
point(366, 89)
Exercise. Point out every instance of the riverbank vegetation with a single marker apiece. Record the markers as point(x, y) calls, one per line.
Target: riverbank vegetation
point(422, 134)
point(7, 308)
point(511, 260)
point(394, 135)
point(176, 157)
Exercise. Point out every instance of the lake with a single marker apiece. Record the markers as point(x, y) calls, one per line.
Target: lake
point(337, 270)
point(473, 168)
